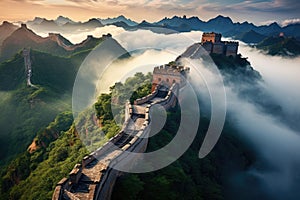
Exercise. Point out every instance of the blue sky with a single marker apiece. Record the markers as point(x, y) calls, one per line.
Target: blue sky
point(257, 11)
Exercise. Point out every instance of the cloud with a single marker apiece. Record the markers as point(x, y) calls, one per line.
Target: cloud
point(281, 80)
point(262, 6)
point(290, 21)
point(263, 10)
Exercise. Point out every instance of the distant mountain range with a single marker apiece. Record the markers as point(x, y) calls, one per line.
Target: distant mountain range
point(120, 18)
point(13, 38)
point(62, 25)
point(219, 24)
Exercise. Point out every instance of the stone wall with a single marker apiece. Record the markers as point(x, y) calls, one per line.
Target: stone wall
point(231, 48)
point(168, 75)
point(218, 48)
point(211, 37)
point(146, 98)
point(102, 187)
point(212, 43)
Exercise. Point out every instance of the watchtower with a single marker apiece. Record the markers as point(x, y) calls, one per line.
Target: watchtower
point(168, 74)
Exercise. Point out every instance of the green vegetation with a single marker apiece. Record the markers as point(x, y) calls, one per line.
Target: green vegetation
point(134, 87)
point(110, 110)
point(34, 176)
point(235, 70)
point(189, 177)
point(229, 62)
point(25, 110)
point(59, 145)
point(284, 46)
point(62, 123)
point(250, 37)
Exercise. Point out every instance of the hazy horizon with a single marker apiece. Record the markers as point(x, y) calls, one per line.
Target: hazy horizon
point(255, 11)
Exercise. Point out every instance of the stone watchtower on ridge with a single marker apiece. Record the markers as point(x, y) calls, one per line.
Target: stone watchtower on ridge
point(212, 43)
point(168, 74)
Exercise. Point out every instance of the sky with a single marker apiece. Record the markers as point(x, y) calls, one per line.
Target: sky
point(256, 11)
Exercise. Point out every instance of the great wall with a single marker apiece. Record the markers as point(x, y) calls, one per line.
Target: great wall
point(28, 68)
point(95, 177)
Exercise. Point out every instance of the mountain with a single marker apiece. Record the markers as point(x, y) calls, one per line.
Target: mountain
point(61, 20)
point(30, 108)
point(63, 25)
point(219, 24)
point(120, 18)
point(43, 25)
point(194, 23)
point(284, 46)
point(24, 37)
point(37, 117)
point(55, 63)
point(6, 29)
point(123, 25)
point(54, 43)
point(292, 30)
point(92, 23)
point(36, 20)
point(250, 37)
point(271, 29)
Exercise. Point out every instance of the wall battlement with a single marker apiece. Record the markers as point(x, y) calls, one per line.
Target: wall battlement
point(168, 74)
point(212, 43)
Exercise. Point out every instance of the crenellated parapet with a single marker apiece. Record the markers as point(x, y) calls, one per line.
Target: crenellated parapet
point(169, 74)
point(147, 98)
point(212, 43)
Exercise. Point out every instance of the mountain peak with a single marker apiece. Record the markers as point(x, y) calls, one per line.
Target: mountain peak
point(121, 17)
point(7, 24)
point(274, 24)
point(38, 20)
point(118, 19)
point(61, 17)
point(221, 18)
point(93, 20)
point(144, 22)
point(63, 20)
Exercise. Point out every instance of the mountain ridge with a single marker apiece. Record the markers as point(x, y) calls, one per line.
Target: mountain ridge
point(6, 29)
point(54, 43)
point(221, 24)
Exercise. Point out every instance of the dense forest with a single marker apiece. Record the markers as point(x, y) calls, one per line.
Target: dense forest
point(189, 177)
